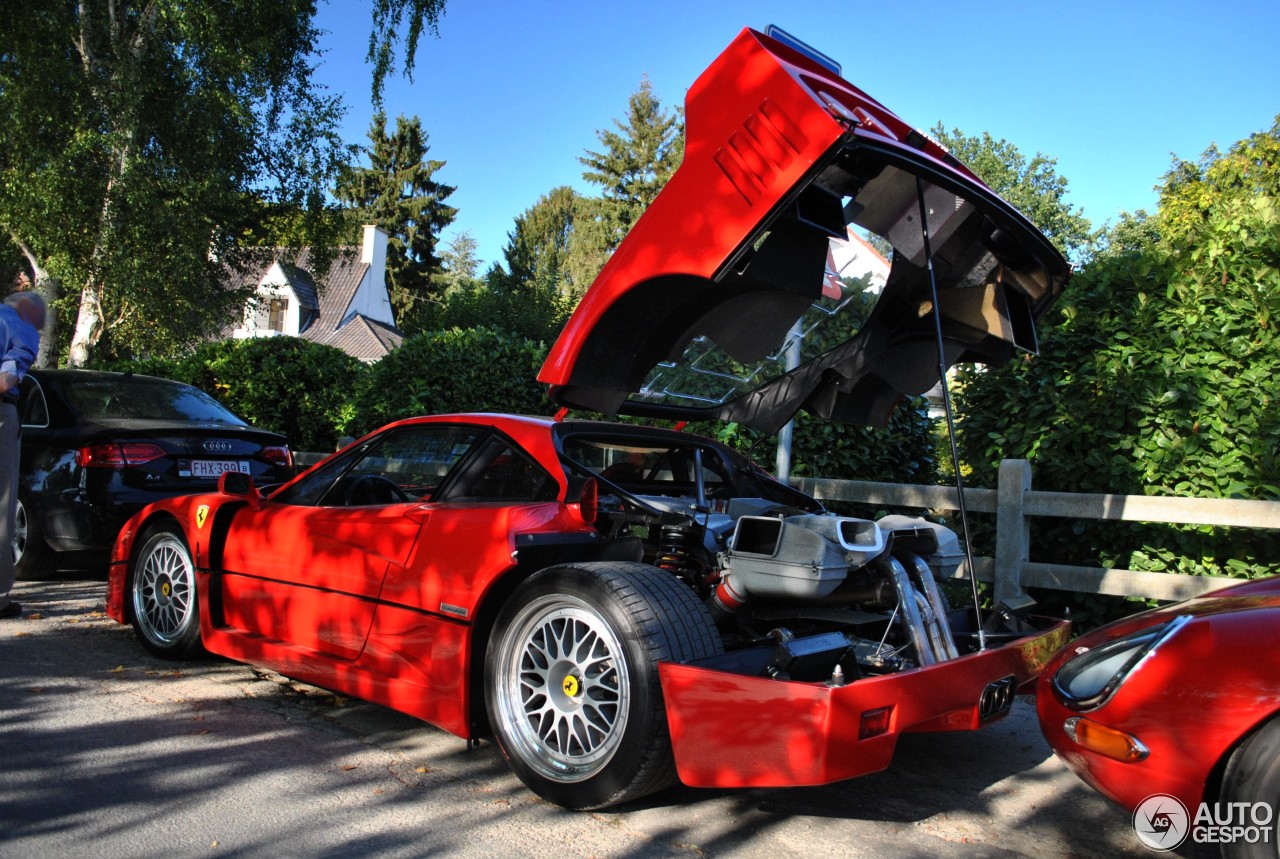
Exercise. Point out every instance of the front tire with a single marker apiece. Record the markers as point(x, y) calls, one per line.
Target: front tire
point(572, 679)
point(162, 594)
point(1252, 777)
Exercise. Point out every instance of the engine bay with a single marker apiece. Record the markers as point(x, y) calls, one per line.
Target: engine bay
point(797, 592)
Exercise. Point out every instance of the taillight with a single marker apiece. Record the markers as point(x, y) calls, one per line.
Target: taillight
point(278, 455)
point(118, 455)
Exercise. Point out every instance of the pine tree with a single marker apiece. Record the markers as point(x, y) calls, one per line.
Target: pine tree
point(636, 162)
point(398, 192)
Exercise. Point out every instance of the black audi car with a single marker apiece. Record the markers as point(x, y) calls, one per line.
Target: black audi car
point(97, 447)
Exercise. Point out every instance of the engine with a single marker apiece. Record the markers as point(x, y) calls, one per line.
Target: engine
point(835, 597)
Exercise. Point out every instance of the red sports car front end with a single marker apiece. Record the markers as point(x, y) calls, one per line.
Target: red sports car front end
point(1158, 703)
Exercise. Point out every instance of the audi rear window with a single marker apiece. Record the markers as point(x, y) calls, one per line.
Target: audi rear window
point(140, 398)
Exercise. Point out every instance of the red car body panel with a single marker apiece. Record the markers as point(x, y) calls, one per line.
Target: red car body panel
point(740, 162)
point(775, 144)
point(734, 730)
point(1203, 690)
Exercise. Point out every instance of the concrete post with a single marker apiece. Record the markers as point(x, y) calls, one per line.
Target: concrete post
point(1013, 530)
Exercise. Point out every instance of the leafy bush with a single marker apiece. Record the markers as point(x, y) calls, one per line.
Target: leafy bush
point(461, 370)
point(536, 311)
point(286, 384)
point(1157, 375)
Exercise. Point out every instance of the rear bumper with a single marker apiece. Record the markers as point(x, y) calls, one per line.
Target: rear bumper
point(738, 730)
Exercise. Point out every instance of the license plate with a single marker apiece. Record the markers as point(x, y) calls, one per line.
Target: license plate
point(212, 468)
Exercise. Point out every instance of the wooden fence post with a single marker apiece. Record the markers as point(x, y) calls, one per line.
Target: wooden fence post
point(1013, 530)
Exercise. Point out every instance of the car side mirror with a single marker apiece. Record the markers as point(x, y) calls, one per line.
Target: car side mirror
point(239, 484)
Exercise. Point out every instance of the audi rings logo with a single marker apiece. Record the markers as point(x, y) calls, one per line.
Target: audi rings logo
point(1161, 822)
point(217, 445)
point(997, 698)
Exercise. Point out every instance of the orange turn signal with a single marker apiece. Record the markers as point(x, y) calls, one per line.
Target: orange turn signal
point(1108, 742)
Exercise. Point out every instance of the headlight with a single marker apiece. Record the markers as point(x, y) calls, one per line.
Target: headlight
point(1089, 680)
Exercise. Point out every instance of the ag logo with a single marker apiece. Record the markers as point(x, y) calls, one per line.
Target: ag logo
point(1161, 822)
point(202, 513)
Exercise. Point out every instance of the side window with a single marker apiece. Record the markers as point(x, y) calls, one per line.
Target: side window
point(502, 472)
point(32, 408)
point(405, 465)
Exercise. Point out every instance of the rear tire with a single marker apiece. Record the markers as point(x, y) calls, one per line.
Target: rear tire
point(1253, 776)
point(571, 679)
point(33, 559)
point(162, 594)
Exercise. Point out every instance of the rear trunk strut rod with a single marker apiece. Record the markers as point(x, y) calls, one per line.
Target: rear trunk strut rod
point(946, 405)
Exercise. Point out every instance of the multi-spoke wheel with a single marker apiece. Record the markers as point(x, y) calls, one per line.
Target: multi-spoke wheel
point(572, 679)
point(163, 594)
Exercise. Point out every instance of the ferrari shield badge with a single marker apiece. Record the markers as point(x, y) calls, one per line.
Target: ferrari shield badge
point(202, 513)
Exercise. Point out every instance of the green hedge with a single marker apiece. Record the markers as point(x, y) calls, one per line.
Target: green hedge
point(293, 386)
point(287, 385)
point(462, 370)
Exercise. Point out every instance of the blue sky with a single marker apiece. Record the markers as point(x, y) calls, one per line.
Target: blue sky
point(512, 93)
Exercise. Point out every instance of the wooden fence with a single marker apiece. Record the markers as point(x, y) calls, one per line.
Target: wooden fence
point(1014, 502)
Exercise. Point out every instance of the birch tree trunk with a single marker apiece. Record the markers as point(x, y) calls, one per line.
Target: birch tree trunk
point(48, 288)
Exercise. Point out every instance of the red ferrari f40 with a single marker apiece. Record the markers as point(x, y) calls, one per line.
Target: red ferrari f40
point(622, 606)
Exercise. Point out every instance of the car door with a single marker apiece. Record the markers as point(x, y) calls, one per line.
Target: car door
point(498, 491)
point(308, 566)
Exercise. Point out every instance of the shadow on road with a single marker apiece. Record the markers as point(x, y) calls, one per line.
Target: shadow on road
point(105, 743)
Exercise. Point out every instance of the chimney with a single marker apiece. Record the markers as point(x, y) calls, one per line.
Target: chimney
point(374, 248)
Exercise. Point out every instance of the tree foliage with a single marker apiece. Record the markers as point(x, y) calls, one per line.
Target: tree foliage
point(1158, 371)
point(398, 192)
point(1033, 186)
point(557, 246)
point(396, 21)
point(136, 142)
point(637, 160)
point(147, 149)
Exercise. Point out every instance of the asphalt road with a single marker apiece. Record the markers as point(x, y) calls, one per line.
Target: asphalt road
point(107, 751)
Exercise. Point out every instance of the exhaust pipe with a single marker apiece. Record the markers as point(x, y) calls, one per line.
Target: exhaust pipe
point(933, 610)
point(920, 603)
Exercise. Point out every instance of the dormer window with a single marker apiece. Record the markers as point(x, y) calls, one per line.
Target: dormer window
point(277, 314)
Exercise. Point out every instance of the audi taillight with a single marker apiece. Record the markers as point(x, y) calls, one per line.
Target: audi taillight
point(118, 455)
point(277, 455)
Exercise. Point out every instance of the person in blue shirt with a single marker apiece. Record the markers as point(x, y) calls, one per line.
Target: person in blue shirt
point(21, 318)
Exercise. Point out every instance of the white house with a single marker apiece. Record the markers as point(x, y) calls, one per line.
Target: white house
point(348, 307)
point(854, 257)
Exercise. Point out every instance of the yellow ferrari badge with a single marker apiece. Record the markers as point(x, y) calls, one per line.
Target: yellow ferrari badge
point(202, 513)
point(570, 686)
